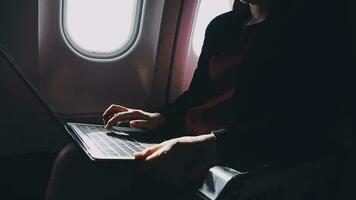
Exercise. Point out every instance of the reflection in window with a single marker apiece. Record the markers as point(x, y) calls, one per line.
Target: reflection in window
point(101, 28)
point(207, 11)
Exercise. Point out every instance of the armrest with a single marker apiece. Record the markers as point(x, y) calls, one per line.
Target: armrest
point(293, 182)
point(218, 181)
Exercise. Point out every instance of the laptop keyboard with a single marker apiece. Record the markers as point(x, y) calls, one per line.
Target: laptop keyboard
point(110, 143)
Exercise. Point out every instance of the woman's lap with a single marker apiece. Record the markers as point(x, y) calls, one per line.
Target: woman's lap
point(75, 176)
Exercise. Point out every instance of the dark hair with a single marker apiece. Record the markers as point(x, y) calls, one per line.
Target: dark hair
point(278, 11)
point(242, 8)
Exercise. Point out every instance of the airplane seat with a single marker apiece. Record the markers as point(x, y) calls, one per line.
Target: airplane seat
point(310, 180)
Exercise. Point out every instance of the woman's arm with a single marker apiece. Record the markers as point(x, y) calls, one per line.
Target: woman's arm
point(219, 36)
point(198, 90)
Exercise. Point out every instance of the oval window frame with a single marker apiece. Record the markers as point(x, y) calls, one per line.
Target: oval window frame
point(92, 55)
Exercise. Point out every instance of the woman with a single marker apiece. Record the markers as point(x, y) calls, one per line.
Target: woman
point(259, 68)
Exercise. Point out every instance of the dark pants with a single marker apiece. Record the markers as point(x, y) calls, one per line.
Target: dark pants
point(75, 176)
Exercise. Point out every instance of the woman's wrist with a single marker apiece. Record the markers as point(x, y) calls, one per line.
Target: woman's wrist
point(209, 137)
point(161, 120)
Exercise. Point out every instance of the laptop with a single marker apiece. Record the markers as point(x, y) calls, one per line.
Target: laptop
point(119, 143)
point(102, 144)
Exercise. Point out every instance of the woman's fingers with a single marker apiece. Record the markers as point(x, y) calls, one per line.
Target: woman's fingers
point(109, 113)
point(124, 116)
point(142, 124)
point(144, 154)
point(154, 155)
point(157, 154)
point(154, 152)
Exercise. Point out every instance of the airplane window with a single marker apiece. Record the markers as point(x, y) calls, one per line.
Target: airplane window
point(101, 29)
point(207, 11)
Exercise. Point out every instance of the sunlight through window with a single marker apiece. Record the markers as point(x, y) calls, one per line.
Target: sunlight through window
point(101, 28)
point(207, 11)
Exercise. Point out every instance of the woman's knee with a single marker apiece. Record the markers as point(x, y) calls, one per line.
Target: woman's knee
point(70, 155)
point(69, 151)
point(62, 171)
point(74, 174)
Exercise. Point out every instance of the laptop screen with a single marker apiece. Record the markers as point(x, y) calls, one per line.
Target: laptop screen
point(27, 124)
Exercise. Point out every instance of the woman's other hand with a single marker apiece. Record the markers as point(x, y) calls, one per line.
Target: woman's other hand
point(180, 160)
point(137, 118)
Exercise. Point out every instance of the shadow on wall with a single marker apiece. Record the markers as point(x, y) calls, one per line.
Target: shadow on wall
point(19, 34)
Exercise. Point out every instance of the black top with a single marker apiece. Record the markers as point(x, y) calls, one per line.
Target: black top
point(289, 97)
point(222, 35)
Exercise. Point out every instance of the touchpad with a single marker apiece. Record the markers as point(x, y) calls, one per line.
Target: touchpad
point(128, 129)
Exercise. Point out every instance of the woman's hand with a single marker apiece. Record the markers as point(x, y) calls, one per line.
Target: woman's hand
point(137, 118)
point(181, 159)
